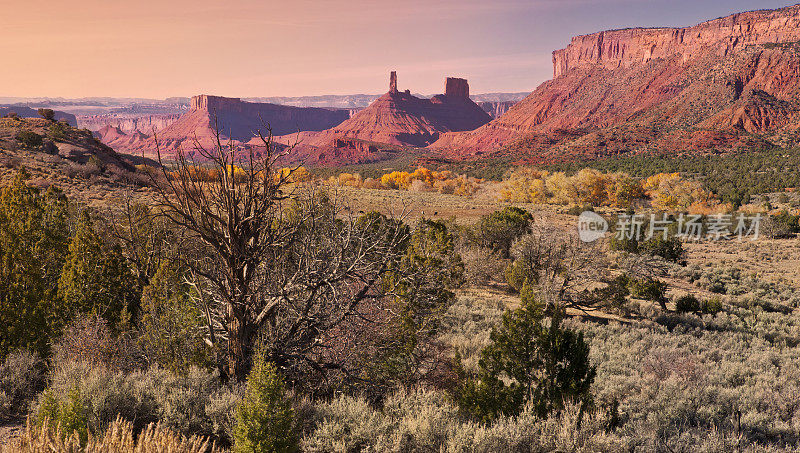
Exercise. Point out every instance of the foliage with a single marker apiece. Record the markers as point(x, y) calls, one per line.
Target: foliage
point(67, 416)
point(34, 235)
point(265, 419)
point(420, 180)
point(96, 278)
point(528, 361)
point(58, 131)
point(499, 229)
point(588, 186)
point(30, 139)
point(20, 378)
point(648, 289)
point(47, 114)
point(422, 284)
point(170, 324)
point(670, 247)
point(90, 339)
point(687, 304)
point(712, 306)
point(735, 178)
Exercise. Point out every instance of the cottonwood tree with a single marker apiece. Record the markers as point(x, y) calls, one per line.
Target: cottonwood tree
point(272, 260)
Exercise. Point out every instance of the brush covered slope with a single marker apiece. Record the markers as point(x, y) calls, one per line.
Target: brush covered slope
point(727, 84)
point(57, 154)
point(396, 121)
point(236, 120)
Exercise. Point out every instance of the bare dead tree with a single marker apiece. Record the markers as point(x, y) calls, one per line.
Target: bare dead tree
point(271, 258)
point(562, 265)
point(146, 239)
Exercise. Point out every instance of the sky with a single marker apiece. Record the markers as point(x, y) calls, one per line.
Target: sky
point(251, 48)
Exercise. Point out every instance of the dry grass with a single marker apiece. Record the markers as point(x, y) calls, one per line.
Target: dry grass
point(119, 437)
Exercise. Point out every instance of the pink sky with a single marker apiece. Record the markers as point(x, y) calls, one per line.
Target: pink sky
point(246, 48)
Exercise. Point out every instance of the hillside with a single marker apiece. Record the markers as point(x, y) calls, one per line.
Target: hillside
point(27, 112)
point(726, 84)
point(397, 119)
point(71, 159)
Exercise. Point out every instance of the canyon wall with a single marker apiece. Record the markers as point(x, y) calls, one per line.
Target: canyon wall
point(723, 85)
point(624, 48)
point(496, 109)
point(241, 118)
point(128, 124)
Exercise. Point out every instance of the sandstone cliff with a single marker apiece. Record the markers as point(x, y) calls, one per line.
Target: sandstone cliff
point(655, 90)
point(128, 124)
point(236, 120)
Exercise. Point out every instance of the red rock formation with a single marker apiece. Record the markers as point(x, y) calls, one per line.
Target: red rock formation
point(145, 124)
point(455, 87)
point(496, 109)
point(393, 82)
point(637, 90)
point(237, 120)
point(396, 119)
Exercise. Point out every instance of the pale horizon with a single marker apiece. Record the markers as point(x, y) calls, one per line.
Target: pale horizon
point(246, 48)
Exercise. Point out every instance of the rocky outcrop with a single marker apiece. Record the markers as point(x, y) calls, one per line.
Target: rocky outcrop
point(655, 90)
point(456, 88)
point(396, 119)
point(393, 82)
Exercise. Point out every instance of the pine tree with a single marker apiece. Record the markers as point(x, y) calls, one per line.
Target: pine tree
point(529, 361)
point(171, 325)
point(34, 235)
point(265, 419)
point(96, 278)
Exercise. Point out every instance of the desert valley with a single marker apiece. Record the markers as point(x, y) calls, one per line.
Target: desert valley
point(609, 262)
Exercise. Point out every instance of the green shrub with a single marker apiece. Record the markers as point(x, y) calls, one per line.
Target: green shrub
point(69, 415)
point(20, 379)
point(29, 139)
point(34, 235)
point(712, 306)
point(530, 362)
point(687, 304)
point(498, 230)
point(96, 278)
point(671, 249)
point(170, 324)
point(518, 273)
point(47, 114)
point(58, 131)
point(577, 210)
point(649, 289)
point(265, 418)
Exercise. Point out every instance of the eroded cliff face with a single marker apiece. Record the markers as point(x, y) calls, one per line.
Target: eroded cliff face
point(236, 120)
point(735, 79)
point(145, 124)
point(623, 48)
